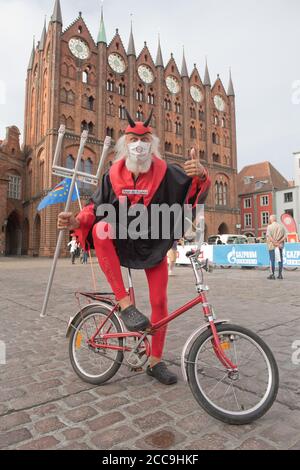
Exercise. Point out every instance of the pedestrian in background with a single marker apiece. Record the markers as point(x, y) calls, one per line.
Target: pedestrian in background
point(73, 249)
point(275, 241)
point(172, 256)
point(83, 257)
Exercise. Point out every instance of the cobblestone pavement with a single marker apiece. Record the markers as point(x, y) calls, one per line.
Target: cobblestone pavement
point(43, 405)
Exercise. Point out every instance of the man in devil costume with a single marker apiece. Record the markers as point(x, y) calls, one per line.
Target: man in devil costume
point(139, 176)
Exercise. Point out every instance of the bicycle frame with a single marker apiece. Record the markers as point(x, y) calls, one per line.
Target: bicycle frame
point(142, 336)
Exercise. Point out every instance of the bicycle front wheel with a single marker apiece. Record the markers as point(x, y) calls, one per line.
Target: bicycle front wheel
point(95, 365)
point(233, 397)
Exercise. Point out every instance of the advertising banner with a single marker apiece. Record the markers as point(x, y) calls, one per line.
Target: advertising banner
point(254, 255)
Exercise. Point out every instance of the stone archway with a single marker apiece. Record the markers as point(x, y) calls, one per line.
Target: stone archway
point(223, 228)
point(25, 237)
point(13, 236)
point(36, 235)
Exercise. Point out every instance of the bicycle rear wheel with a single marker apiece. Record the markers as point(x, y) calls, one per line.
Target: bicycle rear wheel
point(95, 366)
point(234, 398)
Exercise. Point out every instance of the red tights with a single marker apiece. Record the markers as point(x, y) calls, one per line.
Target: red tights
point(157, 278)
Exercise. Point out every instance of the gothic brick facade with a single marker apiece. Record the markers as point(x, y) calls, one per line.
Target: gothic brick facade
point(84, 84)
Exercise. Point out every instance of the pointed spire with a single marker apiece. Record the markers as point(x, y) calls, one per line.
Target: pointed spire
point(206, 81)
point(159, 59)
point(184, 70)
point(131, 47)
point(30, 65)
point(43, 38)
point(230, 91)
point(57, 16)
point(102, 32)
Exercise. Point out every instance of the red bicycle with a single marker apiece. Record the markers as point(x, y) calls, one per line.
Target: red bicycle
point(231, 371)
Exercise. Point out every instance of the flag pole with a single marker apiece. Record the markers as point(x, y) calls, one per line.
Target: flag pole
point(106, 147)
point(83, 140)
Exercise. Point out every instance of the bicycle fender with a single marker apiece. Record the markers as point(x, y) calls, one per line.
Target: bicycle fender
point(193, 336)
point(73, 319)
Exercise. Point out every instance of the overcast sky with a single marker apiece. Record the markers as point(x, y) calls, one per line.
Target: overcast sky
point(259, 39)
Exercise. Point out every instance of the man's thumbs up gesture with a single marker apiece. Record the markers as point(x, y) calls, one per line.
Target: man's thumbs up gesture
point(193, 167)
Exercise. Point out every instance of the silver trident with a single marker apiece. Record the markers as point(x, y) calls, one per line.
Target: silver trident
point(74, 174)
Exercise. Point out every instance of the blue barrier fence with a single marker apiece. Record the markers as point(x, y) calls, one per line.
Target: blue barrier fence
point(254, 255)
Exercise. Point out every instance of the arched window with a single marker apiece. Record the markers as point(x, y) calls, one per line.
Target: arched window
point(223, 122)
point(122, 112)
point(88, 168)
point(216, 120)
point(110, 85)
point(84, 126)
point(168, 147)
point(41, 174)
point(110, 108)
point(70, 162)
point(216, 193)
point(70, 123)
point(178, 127)
point(220, 196)
point(91, 101)
point(178, 107)
point(122, 89)
point(85, 76)
point(91, 128)
point(193, 112)
point(110, 132)
point(167, 104)
point(225, 188)
point(215, 138)
point(168, 124)
point(140, 115)
point(193, 132)
point(201, 115)
point(150, 98)
point(140, 95)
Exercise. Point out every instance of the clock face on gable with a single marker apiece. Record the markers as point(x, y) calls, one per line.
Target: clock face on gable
point(219, 103)
point(196, 94)
point(145, 74)
point(172, 85)
point(79, 48)
point(117, 63)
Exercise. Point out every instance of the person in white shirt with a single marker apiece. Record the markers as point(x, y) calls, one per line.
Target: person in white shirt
point(73, 248)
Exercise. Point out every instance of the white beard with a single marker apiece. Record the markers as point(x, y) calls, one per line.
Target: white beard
point(138, 167)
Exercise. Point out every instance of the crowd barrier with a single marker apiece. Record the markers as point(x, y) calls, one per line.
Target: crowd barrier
point(243, 255)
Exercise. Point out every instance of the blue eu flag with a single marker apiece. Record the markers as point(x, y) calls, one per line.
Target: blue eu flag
point(58, 194)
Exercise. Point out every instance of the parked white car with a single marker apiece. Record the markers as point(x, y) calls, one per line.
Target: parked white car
point(227, 239)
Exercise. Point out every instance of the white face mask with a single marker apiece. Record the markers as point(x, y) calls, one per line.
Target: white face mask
point(139, 151)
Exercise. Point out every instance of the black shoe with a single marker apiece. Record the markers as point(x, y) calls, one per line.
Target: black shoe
point(134, 320)
point(161, 373)
point(272, 276)
point(279, 276)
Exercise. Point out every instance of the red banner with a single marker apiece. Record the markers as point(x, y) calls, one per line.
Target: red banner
point(289, 223)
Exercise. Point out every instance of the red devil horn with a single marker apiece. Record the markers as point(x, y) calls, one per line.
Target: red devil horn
point(146, 123)
point(129, 118)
